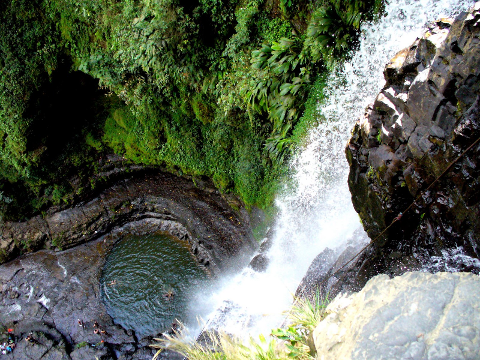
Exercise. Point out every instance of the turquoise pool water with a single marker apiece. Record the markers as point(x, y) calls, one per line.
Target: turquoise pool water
point(149, 281)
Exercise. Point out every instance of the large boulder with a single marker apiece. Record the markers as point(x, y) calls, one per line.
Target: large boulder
point(413, 316)
point(412, 155)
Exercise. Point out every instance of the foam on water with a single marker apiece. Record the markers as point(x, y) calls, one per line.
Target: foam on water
point(452, 260)
point(315, 209)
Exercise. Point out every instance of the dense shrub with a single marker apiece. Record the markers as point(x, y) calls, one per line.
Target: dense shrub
point(208, 87)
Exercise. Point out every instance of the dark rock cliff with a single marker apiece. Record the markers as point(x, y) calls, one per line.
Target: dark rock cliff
point(414, 165)
point(410, 149)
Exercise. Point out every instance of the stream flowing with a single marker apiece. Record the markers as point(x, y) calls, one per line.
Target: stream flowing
point(315, 209)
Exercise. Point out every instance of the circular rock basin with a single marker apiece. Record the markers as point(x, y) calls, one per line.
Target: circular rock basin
point(149, 281)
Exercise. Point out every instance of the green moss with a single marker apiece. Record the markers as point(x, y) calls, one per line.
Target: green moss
point(202, 108)
point(81, 345)
point(159, 84)
point(57, 242)
point(222, 181)
point(370, 173)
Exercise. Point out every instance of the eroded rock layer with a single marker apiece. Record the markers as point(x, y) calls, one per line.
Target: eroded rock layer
point(144, 203)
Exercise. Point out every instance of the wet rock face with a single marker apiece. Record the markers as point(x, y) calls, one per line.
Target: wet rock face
point(426, 116)
point(45, 294)
point(142, 204)
point(413, 316)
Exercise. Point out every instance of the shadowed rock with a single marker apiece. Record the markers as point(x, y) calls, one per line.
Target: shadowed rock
point(145, 203)
point(424, 118)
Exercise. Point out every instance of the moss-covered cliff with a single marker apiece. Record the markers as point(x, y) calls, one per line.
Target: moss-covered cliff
point(205, 88)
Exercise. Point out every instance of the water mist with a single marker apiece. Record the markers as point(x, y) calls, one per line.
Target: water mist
point(315, 210)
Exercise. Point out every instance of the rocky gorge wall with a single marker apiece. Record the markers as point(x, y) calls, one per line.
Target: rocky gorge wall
point(54, 278)
point(414, 156)
point(217, 227)
point(417, 148)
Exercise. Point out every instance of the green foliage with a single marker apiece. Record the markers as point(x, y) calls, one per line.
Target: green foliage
point(131, 137)
point(283, 74)
point(271, 30)
point(57, 242)
point(286, 6)
point(306, 313)
point(245, 17)
point(58, 193)
point(28, 56)
point(94, 143)
point(221, 347)
point(379, 136)
point(304, 316)
point(370, 173)
point(283, 79)
point(285, 69)
point(334, 27)
point(209, 88)
point(81, 345)
point(202, 108)
point(295, 342)
point(43, 109)
point(312, 114)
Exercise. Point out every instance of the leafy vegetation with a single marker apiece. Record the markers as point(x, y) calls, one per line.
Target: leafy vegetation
point(333, 30)
point(204, 88)
point(284, 343)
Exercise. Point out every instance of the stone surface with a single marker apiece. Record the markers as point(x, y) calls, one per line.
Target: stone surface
point(159, 201)
point(414, 316)
point(46, 292)
point(424, 118)
point(327, 274)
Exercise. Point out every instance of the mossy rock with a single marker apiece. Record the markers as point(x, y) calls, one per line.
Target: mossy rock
point(202, 108)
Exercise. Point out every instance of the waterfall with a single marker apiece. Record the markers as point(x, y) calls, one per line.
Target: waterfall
point(315, 209)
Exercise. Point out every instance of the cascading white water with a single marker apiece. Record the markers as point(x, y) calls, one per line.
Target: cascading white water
point(316, 211)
